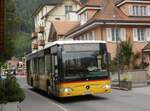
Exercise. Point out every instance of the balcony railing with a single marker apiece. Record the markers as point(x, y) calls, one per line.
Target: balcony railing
point(41, 42)
point(35, 46)
point(41, 29)
point(34, 35)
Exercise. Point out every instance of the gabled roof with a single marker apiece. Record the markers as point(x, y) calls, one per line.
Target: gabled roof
point(110, 13)
point(50, 2)
point(45, 2)
point(93, 3)
point(62, 27)
point(121, 2)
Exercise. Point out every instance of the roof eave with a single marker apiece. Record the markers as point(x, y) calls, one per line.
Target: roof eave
point(106, 22)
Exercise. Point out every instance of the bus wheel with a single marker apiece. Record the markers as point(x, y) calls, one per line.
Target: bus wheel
point(31, 81)
point(48, 83)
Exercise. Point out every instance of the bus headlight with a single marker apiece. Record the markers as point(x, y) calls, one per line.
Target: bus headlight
point(66, 90)
point(107, 86)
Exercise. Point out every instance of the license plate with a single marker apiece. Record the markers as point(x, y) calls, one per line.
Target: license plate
point(87, 93)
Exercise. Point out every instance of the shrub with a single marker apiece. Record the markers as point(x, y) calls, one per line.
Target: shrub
point(10, 90)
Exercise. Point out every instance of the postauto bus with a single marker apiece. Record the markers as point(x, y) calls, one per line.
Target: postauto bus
point(70, 68)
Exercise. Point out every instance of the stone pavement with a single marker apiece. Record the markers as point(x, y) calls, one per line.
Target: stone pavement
point(142, 90)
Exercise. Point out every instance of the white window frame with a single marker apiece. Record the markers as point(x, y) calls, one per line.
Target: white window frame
point(116, 34)
point(68, 8)
point(138, 34)
point(136, 10)
point(91, 35)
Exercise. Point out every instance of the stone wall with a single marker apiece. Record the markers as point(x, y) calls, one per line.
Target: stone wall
point(136, 76)
point(9, 107)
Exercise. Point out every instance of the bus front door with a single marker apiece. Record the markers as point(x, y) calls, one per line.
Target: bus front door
point(54, 75)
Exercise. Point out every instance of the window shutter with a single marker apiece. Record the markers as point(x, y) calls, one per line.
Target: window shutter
point(130, 10)
point(135, 34)
point(123, 34)
point(148, 34)
point(109, 34)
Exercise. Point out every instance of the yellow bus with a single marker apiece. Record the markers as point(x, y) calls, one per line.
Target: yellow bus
point(70, 68)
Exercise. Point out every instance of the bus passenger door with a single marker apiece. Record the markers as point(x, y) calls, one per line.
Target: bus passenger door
point(36, 73)
point(54, 76)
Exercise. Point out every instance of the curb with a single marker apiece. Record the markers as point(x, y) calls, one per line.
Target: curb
point(120, 88)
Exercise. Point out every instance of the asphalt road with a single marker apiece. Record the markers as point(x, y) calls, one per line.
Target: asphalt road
point(136, 100)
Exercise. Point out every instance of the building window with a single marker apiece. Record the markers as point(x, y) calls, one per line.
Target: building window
point(68, 8)
point(139, 11)
point(116, 34)
point(88, 36)
point(41, 65)
point(139, 34)
point(91, 35)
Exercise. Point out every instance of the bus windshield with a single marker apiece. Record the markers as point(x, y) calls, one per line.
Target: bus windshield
point(84, 65)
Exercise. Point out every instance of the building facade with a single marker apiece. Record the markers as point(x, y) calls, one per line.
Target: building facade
point(114, 21)
point(45, 14)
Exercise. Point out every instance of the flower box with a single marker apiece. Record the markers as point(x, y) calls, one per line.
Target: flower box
point(126, 84)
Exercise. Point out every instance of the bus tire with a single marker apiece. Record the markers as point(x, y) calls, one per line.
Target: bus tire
point(47, 85)
point(31, 81)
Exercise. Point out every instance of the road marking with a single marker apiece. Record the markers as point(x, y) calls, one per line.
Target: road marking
point(48, 100)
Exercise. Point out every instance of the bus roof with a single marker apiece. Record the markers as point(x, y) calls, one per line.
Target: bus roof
point(67, 42)
point(73, 42)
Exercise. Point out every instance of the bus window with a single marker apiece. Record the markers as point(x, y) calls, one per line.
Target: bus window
point(28, 67)
point(48, 64)
point(78, 65)
point(41, 68)
point(54, 64)
point(35, 66)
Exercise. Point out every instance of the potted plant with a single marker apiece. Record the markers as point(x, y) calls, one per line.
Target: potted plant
point(126, 82)
point(10, 94)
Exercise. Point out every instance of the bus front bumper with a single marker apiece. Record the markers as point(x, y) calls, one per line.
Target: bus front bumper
point(84, 92)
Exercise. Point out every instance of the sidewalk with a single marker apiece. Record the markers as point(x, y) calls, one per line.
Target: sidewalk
point(142, 90)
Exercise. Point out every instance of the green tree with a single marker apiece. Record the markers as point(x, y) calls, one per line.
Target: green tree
point(125, 54)
point(9, 25)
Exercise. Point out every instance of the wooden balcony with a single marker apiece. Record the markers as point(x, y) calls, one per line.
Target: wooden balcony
point(41, 29)
point(34, 35)
point(41, 42)
point(35, 46)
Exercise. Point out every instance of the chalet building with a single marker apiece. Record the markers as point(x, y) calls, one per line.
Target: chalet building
point(108, 20)
point(46, 13)
point(1, 25)
point(114, 21)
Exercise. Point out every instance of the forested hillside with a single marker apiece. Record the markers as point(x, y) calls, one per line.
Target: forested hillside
point(24, 10)
point(19, 24)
